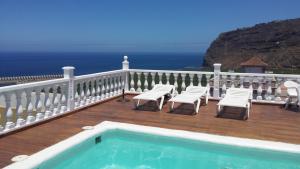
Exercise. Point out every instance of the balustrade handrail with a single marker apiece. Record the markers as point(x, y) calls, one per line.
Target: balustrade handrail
point(260, 74)
point(98, 74)
point(170, 71)
point(31, 85)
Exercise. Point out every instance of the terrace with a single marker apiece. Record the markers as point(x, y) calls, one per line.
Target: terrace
point(37, 115)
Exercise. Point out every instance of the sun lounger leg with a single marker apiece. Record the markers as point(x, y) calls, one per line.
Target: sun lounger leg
point(248, 111)
point(206, 98)
point(198, 105)
point(136, 104)
point(171, 106)
point(161, 102)
point(218, 110)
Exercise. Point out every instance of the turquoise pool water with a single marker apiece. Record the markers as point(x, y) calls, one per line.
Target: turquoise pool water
point(119, 149)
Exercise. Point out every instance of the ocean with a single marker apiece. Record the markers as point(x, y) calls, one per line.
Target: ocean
point(43, 63)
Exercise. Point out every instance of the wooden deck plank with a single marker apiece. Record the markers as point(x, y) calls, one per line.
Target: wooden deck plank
point(267, 122)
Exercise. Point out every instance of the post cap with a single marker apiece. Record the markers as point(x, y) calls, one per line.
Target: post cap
point(68, 68)
point(125, 58)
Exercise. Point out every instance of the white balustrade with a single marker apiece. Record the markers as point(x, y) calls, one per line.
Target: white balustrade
point(29, 103)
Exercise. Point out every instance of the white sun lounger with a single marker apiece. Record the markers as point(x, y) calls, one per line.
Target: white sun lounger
point(293, 92)
point(192, 95)
point(236, 97)
point(158, 91)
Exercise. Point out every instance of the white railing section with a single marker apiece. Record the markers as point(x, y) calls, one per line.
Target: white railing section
point(30, 103)
point(27, 104)
point(99, 86)
point(265, 87)
point(142, 80)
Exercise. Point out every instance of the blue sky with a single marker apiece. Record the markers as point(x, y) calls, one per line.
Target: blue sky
point(130, 25)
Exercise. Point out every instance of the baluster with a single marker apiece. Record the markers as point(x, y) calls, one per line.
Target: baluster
point(191, 79)
point(30, 117)
point(251, 85)
point(111, 93)
point(9, 113)
point(48, 103)
point(82, 94)
point(242, 82)
point(278, 84)
point(108, 77)
point(19, 109)
point(132, 82)
point(168, 78)
point(223, 90)
point(98, 88)
point(103, 89)
point(56, 105)
point(208, 77)
point(93, 92)
point(146, 83)
point(175, 82)
point(269, 89)
point(259, 92)
point(208, 88)
point(199, 77)
point(116, 84)
point(119, 83)
point(159, 77)
point(139, 82)
point(153, 80)
point(38, 105)
point(63, 100)
point(183, 82)
point(88, 93)
point(232, 81)
point(123, 81)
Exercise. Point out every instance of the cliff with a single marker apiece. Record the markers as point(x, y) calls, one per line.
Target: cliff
point(277, 43)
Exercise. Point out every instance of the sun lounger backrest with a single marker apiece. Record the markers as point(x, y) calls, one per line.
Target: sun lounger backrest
point(162, 88)
point(195, 89)
point(238, 92)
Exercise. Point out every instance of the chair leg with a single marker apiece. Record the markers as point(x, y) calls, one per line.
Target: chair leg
point(206, 99)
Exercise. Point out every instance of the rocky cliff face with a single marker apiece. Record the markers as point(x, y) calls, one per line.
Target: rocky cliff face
point(277, 43)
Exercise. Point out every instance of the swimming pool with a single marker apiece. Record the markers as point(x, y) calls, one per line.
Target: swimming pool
point(112, 145)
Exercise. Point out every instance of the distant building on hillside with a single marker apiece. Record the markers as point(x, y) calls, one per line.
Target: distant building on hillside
point(254, 65)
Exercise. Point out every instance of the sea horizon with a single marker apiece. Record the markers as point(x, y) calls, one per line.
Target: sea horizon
point(44, 63)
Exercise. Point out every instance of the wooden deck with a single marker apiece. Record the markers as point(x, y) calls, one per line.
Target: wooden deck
point(268, 122)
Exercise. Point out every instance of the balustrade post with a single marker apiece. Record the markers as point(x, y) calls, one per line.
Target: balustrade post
point(125, 66)
point(69, 74)
point(217, 70)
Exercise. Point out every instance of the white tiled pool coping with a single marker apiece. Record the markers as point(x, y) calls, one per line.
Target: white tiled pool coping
point(36, 159)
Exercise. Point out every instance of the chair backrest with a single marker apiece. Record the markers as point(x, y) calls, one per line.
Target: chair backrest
point(239, 92)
